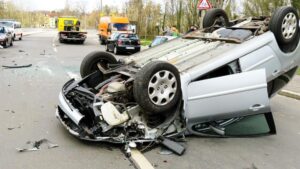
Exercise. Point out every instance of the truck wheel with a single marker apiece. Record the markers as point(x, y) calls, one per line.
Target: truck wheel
point(284, 24)
point(157, 87)
point(215, 17)
point(89, 63)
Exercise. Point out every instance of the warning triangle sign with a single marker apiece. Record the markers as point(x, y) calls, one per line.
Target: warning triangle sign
point(204, 4)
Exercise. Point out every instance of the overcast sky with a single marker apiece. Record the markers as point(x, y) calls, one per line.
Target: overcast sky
point(60, 4)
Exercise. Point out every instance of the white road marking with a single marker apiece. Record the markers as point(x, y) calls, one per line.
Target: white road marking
point(53, 44)
point(140, 160)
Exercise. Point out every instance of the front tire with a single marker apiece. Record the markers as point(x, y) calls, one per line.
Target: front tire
point(5, 44)
point(284, 24)
point(89, 63)
point(157, 87)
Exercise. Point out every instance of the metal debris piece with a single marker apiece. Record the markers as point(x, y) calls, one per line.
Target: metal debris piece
point(12, 128)
point(14, 67)
point(21, 50)
point(34, 146)
point(165, 151)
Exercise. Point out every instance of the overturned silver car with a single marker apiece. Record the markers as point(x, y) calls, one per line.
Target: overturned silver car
point(211, 82)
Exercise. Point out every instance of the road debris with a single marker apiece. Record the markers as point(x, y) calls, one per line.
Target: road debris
point(12, 128)
point(17, 66)
point(34, 146)
point(21, 50)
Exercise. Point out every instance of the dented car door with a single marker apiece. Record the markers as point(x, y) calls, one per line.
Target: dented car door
point(237, 95)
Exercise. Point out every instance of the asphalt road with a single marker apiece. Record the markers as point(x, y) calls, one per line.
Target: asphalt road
point(28, 98)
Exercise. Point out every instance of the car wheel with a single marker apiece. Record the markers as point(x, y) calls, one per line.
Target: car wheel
point(116, 50)
point(215, 17)
point(284, 24)
point(5, 44)
point(89, 63)
point(11, 43)
point(20, 38)
point(106, 48)
point(157, 87)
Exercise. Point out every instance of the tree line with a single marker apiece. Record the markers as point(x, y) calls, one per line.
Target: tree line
point(151, 18)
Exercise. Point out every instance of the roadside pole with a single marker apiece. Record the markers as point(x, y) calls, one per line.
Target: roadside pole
point(202, 6)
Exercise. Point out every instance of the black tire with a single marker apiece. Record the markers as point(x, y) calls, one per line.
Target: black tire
point(5, 44)
point(287, 42)
point(20, 38)
point(215, 16)
point(102, 41)
point(141, 87)
point(89, 63)
point(11, 43)
point(116, 51)
point(107, 50)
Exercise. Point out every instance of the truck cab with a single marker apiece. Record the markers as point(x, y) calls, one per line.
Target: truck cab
point(111, 24)
point(69, 30)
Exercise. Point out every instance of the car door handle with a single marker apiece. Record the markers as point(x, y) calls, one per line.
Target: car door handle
point(257, 107)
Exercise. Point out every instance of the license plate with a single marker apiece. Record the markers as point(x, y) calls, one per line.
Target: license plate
point(129, 47)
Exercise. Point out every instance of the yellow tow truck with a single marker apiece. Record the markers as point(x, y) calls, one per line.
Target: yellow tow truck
point(69, 30)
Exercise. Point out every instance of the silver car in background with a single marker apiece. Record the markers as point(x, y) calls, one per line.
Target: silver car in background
point(217, 82)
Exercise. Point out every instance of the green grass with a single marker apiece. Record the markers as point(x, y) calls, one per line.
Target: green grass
point(298, 72)
point(146, 42)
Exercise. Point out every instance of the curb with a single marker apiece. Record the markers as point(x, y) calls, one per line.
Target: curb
point(290, 94)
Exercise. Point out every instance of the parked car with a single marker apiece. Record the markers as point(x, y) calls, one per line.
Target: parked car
point(123, 43)
point(214, 82)
point(14, 27)
point(160, 40)
point(6, 38)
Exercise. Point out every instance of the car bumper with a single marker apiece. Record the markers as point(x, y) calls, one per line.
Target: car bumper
point(70, 118)
point(129, 48)
point(73, 39)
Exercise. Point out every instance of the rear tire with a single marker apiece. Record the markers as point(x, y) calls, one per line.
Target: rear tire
point(215, 17)
point(284, 24)
point(20, 38)
point(116, 51)
point(89, 63)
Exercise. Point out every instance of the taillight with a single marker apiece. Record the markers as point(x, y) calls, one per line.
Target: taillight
point(120, 42)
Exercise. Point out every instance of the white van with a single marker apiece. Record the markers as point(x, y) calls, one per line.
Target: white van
point(14, 27)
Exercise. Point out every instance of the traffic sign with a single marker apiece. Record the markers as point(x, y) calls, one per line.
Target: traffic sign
point(204, 4)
